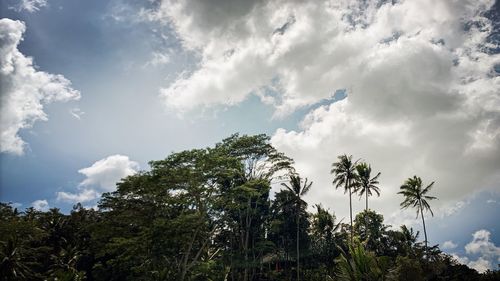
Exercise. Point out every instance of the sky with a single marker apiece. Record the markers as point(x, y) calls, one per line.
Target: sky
point(91, 91)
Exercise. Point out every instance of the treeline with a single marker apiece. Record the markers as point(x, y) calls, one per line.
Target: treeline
point(207, 214)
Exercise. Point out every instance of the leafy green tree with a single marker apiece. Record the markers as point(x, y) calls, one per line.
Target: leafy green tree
point(258, 158)
point(371, 229)
point(323, 234)
point(282, 228)
point(245, 197)
point(298, 190)
point(406, 269)
point(162, 222)
point(366, 184)
point(22, 248)
point(401, 242)
point(206, 214)
point(415, 196)
point(345, 176)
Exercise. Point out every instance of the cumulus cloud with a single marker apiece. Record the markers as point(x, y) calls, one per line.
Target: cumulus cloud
point(312, 49)
point(40, 205)
point(487, 253)
point(420, 78)
point(448, 245)
point(101, 176)
point(23, 89)
point(481, 245)
point(106, 172)
point(481, 264)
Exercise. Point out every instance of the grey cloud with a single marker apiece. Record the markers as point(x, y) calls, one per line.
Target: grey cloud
point(422, 93)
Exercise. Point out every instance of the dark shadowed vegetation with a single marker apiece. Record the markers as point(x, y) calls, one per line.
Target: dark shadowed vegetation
point(208, 214)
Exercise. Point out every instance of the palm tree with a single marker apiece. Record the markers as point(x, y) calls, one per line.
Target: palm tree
point(345, 175)
point(416, 197)
point(298, 190)
point(365, 184)
point(13, 262)
point(358, 265)
point(408, 239)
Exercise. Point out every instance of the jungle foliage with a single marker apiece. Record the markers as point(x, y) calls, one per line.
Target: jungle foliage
point(208, 214)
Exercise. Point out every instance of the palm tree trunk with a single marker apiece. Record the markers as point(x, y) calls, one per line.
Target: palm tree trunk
point(423, 222)
point(298, 265)
point(366, 215)
point(366, 193)
point(350, 210)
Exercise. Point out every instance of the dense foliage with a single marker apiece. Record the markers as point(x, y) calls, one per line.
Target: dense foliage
point(207, 214)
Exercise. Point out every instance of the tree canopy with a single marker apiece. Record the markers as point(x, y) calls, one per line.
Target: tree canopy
point(210, 214)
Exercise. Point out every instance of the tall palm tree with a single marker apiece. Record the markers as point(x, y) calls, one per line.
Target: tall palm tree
point(365, 183)
point(298, 190)
point(416, 197)
point(344, 172)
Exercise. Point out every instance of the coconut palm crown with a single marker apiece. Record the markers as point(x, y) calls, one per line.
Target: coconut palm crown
point(345, 176)
point(415, 196)
point(366, 185)
point(298, 190)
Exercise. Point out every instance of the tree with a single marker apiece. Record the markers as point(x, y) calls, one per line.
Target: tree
point(295, 186)
point(365, 183)
point(358, 265)
point(344, 172)
point(370, 227)
point(245, 196)
point(324, 243)
point(416, 197)
point(406, 269)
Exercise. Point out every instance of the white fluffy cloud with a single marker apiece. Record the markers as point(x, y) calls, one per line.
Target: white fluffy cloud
point(106, 172)
point(101, 176)
point(23, 89)
point(83, 195)
point(422, 86)
point(310, 49)
point(448, 245)
point(40, 205)
point(487, 253)
point(481, 245)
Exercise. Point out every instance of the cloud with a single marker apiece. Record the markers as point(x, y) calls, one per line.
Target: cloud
point(29, 5)
point(40, 205)
point(158, 59)
point(16, 205)
point(481, 265)
point(84, 195)
point(481, 245)
point(451, 209)
point(448, 245)
point(24, 90)
point(101, 176)
point(487, 253)
point(312, 49)
point(420, 78)
point(106, 172)
point(77, 113)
